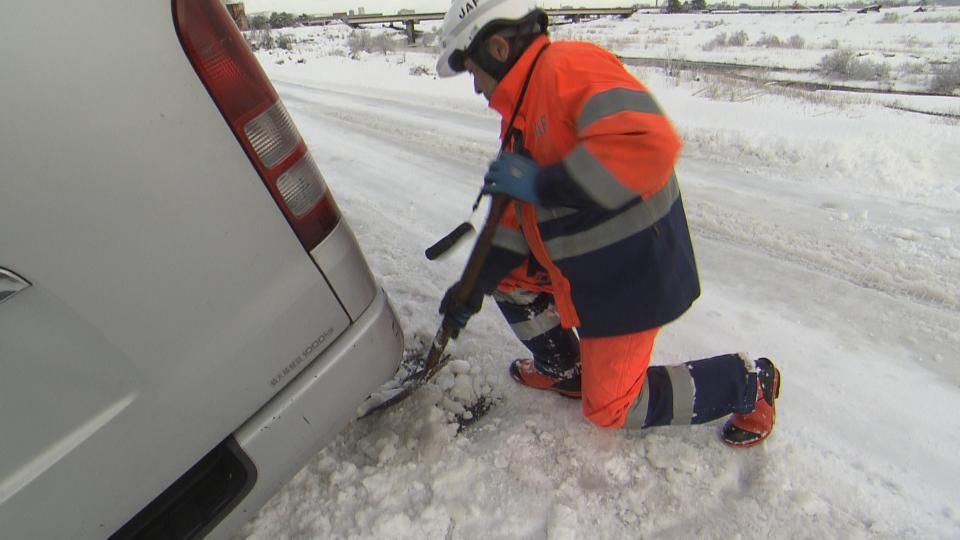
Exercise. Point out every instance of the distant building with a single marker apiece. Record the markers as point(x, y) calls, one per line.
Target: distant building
point(361, 11)
point(406, 12)
point(238, 13)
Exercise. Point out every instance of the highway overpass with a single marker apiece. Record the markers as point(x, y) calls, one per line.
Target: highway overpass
point(410, 20)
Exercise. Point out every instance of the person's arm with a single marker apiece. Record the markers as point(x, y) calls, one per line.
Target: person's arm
point(555, 187)
point(625, 146)
point(509, 250)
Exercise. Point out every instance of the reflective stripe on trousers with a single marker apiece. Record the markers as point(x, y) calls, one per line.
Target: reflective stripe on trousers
point(694, 392)
point(534, 319)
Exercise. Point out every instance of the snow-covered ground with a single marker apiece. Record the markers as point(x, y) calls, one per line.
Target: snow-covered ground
point(894, 35)
point(826, 232)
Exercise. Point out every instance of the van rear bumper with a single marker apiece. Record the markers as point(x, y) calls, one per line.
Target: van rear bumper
point(309, 412)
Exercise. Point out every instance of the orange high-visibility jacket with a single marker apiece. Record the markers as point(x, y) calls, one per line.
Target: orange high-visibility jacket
point(610, 237)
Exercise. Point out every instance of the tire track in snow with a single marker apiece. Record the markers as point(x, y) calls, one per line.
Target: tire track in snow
point(932, 284)
point(440, 132)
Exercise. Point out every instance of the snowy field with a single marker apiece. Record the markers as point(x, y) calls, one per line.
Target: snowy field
point(826, 228)
point(896, 36)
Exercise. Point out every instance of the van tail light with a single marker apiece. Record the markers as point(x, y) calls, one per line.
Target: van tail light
point(251, 107)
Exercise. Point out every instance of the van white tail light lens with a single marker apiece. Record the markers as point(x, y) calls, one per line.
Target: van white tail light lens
point(252, 109)
point(301, 186)
point(272, 135)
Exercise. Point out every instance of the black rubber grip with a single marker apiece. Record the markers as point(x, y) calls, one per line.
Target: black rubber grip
point(444, 244)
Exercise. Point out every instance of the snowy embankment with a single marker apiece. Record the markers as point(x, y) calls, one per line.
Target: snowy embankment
point(827, 239)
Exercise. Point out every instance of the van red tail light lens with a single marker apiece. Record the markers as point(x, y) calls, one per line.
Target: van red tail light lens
point(252, 109)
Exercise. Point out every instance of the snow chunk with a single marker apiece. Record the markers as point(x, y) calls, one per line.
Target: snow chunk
point(457, 478)
point(562, 524)
point(344, 474)
point(393, 526)
point(445, 380)
point(459, 367)
point(463, 389)
point(379, 447)
point(670, 454)
point(943, 233)
point(378, 485)
point(810, 504)
point(618, 471)
point(906, 234)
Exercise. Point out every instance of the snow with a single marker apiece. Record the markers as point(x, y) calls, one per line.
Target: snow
point(913, 35)
point(823, 225)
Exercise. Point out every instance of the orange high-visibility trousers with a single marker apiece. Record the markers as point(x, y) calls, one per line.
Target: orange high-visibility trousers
point(613, 372)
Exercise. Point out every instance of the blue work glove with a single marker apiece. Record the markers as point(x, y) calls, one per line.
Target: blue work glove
point(513, 175)
point(457, 314)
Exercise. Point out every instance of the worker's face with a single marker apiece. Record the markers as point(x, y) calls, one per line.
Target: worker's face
point(483, 82)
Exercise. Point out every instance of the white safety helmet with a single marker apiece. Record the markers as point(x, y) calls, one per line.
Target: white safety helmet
point(464, 22)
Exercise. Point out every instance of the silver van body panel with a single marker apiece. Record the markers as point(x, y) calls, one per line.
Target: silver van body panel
point(169, 300)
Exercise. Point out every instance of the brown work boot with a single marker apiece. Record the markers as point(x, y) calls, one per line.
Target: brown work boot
point(746, 430)
point(526, 372)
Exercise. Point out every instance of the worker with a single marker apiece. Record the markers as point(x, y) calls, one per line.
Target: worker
point(593, 254)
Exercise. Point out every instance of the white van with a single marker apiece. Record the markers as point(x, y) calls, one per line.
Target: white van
point(185, 315)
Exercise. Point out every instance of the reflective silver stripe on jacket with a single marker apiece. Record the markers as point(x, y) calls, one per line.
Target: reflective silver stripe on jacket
point(619, 227)
point(595, 180)
point(546, 214)
point(614, 101)
point(592, 177)
point(511, 240)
